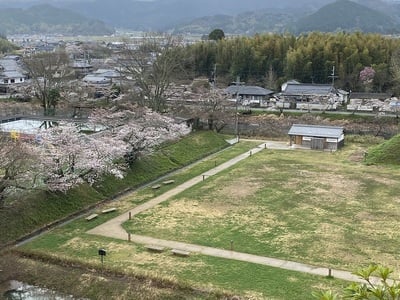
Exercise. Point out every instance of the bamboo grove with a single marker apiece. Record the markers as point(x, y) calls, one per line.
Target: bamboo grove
point(272, 59)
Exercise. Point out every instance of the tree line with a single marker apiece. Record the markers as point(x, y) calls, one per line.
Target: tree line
point(271, 59)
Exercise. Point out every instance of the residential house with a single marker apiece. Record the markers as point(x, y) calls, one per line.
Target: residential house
point(81, 67)
point(369, 102)
point(394, 105)
point(249, 95)
point(93, 79)
point(316, 137)
point(108, 73)
point(102, 77)
point(11, 73)
point(310, 96)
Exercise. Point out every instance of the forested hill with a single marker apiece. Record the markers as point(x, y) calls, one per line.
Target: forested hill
point(48, 19)
point(248, 23)
point(162, 15)
point(342, 15)
point(345, 15)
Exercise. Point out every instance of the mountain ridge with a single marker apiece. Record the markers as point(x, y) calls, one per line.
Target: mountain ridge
point(44, 18)
point(348, 16)
point(166, 14)
point(341, 15)
point(181, 16)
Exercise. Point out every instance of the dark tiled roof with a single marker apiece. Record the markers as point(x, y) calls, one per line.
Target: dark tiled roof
point(308, 89)
point(316, 131)
point(248, 90)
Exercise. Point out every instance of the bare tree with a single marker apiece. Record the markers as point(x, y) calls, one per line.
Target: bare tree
point(48, 72)
point(271, 79)
point(211, 105)
point(152, 66)
point(214, 109)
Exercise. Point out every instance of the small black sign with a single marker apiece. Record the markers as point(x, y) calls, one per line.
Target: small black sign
point(102, 252)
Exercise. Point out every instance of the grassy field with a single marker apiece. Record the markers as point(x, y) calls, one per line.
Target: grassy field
point(321, 208)
point(73, 246)
point(327, 209)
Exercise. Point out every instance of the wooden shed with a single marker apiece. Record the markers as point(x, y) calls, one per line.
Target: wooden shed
point(317, 137)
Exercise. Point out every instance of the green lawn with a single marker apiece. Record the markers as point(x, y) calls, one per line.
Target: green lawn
point(72, 245)
point(313, 207)
point(321, 208)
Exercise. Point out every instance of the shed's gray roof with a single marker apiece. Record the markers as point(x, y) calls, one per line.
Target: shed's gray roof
point(308, 89)
point(248, 90)
point(316, 131)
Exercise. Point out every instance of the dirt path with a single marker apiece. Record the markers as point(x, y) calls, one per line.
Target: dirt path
point(113, 228)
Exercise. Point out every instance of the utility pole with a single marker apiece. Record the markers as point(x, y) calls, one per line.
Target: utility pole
point(333, 76)
point(215, 76)
point(237, 83)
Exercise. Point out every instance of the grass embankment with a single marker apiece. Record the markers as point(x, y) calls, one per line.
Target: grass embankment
point(99, 284)
point(38, 209)
point(386, 153)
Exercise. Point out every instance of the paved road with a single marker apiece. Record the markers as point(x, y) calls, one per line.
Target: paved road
point(113, 228)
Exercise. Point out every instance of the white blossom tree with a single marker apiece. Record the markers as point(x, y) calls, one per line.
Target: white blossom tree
point(367, 76)
point(63, 156)
point(72, 157)
point(139, 127)
point(19, 167)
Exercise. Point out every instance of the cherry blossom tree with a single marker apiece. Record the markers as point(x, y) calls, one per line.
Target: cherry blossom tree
point(68, 154)
point(119, 136)
point(73, 157)
point(19, 168)
point(367, 76)
point(139, 127)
